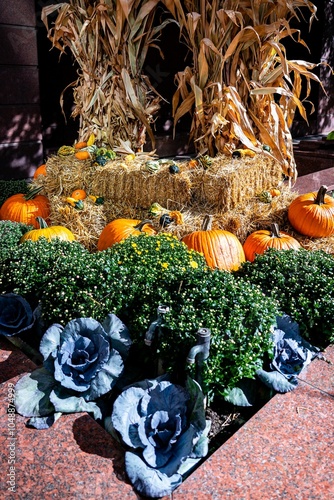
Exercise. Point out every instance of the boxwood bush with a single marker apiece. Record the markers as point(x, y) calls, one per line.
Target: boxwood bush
point(303, 283)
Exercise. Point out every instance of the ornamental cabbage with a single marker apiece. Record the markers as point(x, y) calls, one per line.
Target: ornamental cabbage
point(82, 362)
point(164, 429)
point(16, 315)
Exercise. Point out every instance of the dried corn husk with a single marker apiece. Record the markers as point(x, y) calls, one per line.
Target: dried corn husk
point(241, 88)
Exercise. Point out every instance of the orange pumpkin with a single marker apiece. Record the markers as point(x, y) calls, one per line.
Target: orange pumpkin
point(312, 214)
point(220, 248)
point(48, 232)
point(82, 155)
point(80, 145)
point(25, 208)
point(274, 192)
point(193, 163)
point(79, 194)
point(120, 229)
point(41, 170)
point(259, 241)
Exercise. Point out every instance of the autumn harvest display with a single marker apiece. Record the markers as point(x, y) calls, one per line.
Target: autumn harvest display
point(169, 280)
point(241, 90)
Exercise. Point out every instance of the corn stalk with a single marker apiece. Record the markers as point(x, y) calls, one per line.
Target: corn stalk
point(241, 89)
point(109, 40)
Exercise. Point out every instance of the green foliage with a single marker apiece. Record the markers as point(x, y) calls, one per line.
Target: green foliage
point(131, 276)
point(239, 316)
point(10, 234)
point(150, 269)
point(303, 283)
point(131, 279)
point(10, 187)
point(32, 266)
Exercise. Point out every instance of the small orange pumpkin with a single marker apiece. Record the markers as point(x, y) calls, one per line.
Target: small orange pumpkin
point(312, 214)
point(274, 192)
point(80, 145)
point(79, 194)
point(82, 155)
point(193, 163)
point(259, 241)
point(48, 232)
point(120, 229)
point(220, 248)
point(25, 208)
point(41, 170)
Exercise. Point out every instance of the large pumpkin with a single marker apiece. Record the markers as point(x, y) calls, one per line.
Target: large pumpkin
point(120, 229)
point(25, 208)
point(48, 232)
point(220, 248)
point(312, 214)
point(259, 241)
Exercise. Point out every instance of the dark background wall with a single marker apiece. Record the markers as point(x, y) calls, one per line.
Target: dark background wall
point(20, 117)
point(33, 77)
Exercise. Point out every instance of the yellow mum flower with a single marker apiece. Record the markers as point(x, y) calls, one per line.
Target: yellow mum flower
point(193, 264)
point(165, 265)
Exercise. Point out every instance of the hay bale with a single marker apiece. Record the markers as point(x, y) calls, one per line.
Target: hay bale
point(86, 224)
point(222, 186)
point(253, 215)
point(227, 189)
point(65, 174)
point(132, 185)
point(249, 216)
point(229, 182)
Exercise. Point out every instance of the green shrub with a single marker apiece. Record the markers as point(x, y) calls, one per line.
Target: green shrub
point(239, 316)
point(149, 269)
point(125, 278)
point(71, 282)
point(10, 187)
point(10, 235)
point(161, 270)
point(33, 265)
point(303, 283)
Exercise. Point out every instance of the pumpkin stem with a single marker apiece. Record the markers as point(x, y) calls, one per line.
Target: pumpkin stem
point(275, 230)
point(142, 224)
point(320, 199)
point(33, 192)
point(207, 223)
point(41, 222)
